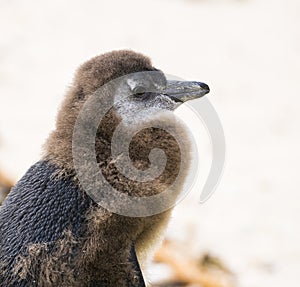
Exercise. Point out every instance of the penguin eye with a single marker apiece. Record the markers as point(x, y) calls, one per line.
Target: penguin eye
point(139, 91)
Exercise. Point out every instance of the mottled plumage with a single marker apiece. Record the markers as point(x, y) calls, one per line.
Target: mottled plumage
point(52, 233)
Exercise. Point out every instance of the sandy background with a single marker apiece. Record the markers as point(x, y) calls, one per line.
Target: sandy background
point(249, 54)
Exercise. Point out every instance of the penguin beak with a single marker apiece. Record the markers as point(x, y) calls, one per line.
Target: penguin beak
point(182, 91)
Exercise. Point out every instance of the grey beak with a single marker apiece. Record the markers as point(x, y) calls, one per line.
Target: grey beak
point(182, 91)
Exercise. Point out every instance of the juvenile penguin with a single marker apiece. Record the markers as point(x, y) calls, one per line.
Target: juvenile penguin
point(53, 232)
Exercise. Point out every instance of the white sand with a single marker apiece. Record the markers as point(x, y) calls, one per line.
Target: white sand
point(249, 54)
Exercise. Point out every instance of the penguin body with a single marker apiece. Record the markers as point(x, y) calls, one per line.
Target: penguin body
point(52, 233)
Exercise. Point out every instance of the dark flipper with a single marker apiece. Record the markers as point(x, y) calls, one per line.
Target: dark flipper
point(139, 279)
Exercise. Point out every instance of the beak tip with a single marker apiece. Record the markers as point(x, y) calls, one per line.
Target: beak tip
point(205, 87)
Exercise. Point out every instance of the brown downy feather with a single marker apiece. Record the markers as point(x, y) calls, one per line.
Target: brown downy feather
point(108, 238)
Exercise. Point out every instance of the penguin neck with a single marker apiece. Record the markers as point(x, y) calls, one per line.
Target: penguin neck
point(59, 151)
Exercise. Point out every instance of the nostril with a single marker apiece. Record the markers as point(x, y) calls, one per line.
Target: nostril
point(203, 86)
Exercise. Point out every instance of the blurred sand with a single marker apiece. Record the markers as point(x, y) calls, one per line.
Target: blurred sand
point(249, 54)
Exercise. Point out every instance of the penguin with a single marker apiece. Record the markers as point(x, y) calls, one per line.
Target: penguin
point(52, 231)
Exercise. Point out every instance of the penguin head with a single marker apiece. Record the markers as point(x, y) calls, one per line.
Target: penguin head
point(140, 90)
point(142, 94)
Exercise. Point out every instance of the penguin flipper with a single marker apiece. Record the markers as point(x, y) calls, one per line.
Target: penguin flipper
point(139, 279)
